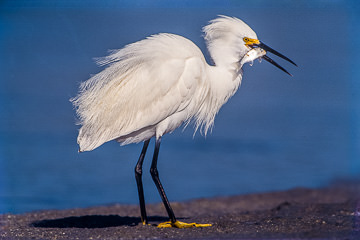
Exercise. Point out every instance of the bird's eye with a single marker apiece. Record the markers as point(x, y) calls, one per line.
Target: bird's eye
point(246, 39)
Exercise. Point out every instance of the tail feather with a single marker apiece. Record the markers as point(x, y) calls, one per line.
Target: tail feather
point(87, 140)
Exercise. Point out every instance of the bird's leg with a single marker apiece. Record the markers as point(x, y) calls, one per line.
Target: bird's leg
point(155, 175)
point(138, 174)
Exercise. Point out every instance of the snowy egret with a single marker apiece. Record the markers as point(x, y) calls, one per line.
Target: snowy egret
point(155, 85)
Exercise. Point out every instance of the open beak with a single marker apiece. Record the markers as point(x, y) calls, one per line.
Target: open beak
point(254, 43)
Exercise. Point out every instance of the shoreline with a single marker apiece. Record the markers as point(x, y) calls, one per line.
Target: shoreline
point(300, 213)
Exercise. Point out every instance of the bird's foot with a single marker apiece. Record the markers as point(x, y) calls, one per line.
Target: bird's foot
point(145, 223)
point(179, 224)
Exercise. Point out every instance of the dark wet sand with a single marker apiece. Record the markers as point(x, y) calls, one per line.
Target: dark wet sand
point(330, 213)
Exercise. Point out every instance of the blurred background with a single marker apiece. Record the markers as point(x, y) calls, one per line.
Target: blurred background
point(276, 133)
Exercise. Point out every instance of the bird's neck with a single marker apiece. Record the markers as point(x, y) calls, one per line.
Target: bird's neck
point(222, 83)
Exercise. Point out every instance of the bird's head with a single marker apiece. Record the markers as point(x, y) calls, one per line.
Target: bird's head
point(230, 40)
point(252, 43)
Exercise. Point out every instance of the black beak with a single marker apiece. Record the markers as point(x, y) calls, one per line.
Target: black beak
point(269, 49)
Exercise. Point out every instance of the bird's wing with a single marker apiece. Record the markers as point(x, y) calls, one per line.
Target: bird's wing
point(145, 82)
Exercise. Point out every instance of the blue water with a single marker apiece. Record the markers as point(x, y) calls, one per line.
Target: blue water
point(276, 133)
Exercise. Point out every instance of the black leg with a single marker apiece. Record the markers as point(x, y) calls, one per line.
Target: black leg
point(155, 176)
point(138, 174)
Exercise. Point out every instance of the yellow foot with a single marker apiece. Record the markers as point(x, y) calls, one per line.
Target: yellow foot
point(179, 224)
point(144, 223)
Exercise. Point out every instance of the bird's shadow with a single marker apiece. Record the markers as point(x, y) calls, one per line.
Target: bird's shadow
point(93, 221)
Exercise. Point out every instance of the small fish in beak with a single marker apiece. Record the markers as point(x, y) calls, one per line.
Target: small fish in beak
point(254, 43)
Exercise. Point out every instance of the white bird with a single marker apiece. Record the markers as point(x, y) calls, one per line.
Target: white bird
point(153, 86)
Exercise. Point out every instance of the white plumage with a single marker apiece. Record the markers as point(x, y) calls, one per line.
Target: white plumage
point(155, 85)
point(152, 86)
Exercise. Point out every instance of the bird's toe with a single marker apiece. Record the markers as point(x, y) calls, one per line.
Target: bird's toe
point(179, 224)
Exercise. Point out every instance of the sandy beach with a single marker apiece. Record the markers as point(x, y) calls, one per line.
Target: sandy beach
point(328, 213)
